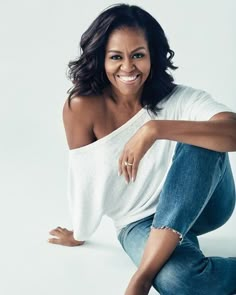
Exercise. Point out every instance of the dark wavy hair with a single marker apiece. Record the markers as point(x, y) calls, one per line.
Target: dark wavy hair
point(87, 72)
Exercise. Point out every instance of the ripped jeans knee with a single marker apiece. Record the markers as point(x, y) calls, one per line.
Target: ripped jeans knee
point(171, 229)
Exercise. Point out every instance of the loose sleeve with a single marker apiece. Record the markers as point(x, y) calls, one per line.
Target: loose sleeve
point(198, 105)
point(86, 207)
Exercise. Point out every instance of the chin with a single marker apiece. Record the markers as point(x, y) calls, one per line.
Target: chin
point(128, 90)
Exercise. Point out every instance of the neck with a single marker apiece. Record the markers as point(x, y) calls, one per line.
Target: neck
point(127, 101)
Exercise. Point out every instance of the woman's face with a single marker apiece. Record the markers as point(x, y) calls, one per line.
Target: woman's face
point(127, 60)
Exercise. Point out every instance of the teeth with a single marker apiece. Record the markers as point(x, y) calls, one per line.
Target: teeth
point(128, 78)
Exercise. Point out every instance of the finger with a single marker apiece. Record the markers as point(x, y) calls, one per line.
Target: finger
point(57, 228)
point(129, 168)
point(55, 241)
point(125, 172)
point(129, 172)
point(134, 170)
point(62, 230)
point(55, 232)
point(120, 165)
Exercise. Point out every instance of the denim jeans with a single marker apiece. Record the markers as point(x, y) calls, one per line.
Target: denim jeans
point(198, 196)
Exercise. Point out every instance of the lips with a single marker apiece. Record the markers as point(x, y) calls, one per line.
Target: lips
point(128, 78)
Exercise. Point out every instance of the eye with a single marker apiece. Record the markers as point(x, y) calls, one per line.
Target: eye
point(138, 55)
point(115, 57)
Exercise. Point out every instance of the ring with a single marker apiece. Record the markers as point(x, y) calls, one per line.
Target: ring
point(128, 164)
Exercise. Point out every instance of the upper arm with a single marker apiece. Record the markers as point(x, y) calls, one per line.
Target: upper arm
point(224, 116)
point(78, 122)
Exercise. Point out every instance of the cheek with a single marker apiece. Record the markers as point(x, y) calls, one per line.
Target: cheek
point(110, 68)
point(146, 66)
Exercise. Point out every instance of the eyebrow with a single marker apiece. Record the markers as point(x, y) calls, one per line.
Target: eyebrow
point(117, 51)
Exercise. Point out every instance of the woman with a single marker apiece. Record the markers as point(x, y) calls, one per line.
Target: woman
point(167, 142)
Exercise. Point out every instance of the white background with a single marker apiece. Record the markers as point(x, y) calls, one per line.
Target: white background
point(38, 38)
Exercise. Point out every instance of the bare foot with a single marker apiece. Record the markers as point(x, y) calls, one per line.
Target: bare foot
point(63, 237)
point(138, 286)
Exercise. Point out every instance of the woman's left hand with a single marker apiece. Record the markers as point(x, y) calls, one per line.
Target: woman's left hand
point(64, 237)
point(135, 149)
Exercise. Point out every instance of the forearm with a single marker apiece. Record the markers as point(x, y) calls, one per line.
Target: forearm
point(217, 135)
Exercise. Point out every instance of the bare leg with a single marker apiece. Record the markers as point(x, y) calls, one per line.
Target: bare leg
point(160, 245)
point(186, 193)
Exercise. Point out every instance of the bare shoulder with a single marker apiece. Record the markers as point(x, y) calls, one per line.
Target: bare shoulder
point(78, 120)
point(79, 107)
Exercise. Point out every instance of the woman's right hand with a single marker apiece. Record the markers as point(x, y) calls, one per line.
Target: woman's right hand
point(64, 237)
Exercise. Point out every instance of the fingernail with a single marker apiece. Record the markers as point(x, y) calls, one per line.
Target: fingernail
point(132, 179)
point(119, 173)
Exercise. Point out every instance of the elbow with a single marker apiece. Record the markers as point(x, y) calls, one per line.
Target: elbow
point(233, 137)
point(231, 144)
point(234, 144)
point(226, 145)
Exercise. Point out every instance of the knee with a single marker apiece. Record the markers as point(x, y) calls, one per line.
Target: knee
point(187, 278)
point(183, 148)
point(173, 279)
point(198, 156)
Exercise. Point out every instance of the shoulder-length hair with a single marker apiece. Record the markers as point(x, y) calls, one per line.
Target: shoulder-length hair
point(87, 72)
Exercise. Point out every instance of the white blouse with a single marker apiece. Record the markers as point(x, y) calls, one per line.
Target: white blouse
point(94, 187)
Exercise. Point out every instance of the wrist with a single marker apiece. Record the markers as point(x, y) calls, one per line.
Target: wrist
point(153, 129)
point(75, 241)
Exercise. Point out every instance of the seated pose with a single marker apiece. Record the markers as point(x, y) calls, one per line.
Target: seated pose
point(148, 153)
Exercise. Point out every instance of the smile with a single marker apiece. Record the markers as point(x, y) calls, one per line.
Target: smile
point(128, 79)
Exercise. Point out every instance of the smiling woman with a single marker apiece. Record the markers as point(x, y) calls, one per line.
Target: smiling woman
point(169, 144)
point(109, 33)
point(127, 62)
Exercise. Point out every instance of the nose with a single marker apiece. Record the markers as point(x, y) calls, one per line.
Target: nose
point(127, 65)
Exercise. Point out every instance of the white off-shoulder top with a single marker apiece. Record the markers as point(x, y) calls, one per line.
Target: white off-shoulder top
point(94, 187)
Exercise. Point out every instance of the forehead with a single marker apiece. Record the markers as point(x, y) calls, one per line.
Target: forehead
point(126, 37)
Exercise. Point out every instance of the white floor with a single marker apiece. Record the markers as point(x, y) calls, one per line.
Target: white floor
point(31, 266)
point(33, 203)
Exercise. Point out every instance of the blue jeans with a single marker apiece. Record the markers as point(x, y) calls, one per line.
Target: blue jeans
point(198, 196)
